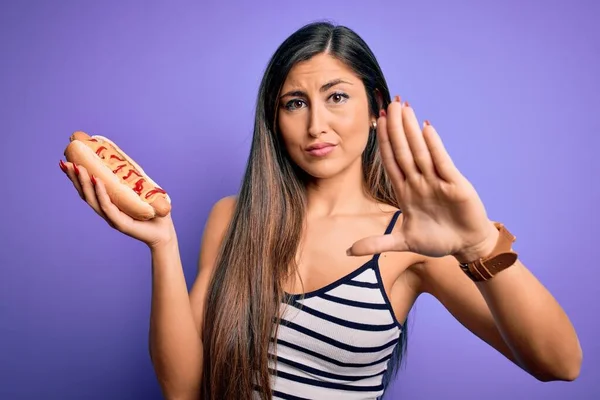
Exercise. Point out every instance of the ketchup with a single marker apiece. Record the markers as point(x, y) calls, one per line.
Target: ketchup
point(131, 171)
point(116, 157)
point(100, 150)
point(119, 168)
point(153, 191)
point(139, 186)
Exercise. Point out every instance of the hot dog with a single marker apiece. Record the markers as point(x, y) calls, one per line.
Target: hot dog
point(127, 185)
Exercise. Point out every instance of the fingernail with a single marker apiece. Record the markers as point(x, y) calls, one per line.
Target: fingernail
point(397, 99)
point(76, 169)
point(93, 179)
point(62, 166)
point(406, 104)
point(382, 113)
point(349, 251)
point(426, 123)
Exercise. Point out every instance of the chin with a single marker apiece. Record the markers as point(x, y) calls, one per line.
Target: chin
point(324, 169)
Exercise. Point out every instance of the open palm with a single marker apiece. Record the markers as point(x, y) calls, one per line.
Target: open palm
point(442, 213)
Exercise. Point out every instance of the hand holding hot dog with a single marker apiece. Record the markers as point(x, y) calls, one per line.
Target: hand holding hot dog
point(118, 190)
point(127, 185)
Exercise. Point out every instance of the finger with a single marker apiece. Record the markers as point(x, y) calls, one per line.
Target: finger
point(385, 148)
point(397, 137)
point(114, 216)
point(416, 142)
point(378, 244)
point(89, 191)
point(442, 162)
point(72, 172)
point(63, 166)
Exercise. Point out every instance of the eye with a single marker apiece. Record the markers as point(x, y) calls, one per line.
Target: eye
point(294, 104)
point(339, 97)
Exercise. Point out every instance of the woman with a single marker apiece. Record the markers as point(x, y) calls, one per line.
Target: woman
point(348, 211)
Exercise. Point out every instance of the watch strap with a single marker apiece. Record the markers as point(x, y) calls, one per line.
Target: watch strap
point(501, 257)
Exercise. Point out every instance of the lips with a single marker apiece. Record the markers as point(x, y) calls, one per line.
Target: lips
point(320, 149)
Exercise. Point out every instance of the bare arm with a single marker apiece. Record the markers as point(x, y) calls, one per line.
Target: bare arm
point(513, 312)
point(175, 347)
point(175, 321)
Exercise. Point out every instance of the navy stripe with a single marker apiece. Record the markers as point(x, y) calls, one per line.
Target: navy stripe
point(367, 265)
point(287, 396)
point(330, 360)
point(354, 303)
point(340, 345)
point(330, 385)
point(281, 394)
point(362, 284)
point(311, 370)
point(339, 321)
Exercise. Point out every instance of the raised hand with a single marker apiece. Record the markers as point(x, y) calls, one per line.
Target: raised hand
point(155, 232)
point(442, 213)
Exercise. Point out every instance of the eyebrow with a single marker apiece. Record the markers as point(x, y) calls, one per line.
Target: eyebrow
point(323, 88)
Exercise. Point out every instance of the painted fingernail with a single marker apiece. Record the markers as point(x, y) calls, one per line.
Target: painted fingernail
point(397, 99)
point(426, 123)
point(62, 166)
point(406, 104)
point(76, 169)
point(382, 113)
point(93, 179)
point(349, 251)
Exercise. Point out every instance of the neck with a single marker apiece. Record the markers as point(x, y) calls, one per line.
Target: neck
point(341, 194)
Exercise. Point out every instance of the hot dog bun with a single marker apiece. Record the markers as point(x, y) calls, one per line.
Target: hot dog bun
point(128, 186)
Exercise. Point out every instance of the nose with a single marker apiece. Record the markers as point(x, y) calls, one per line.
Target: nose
point(317, 124)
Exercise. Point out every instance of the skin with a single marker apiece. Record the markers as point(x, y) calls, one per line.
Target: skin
point(443, 221)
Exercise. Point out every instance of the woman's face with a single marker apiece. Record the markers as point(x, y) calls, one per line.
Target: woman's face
point(323, 116)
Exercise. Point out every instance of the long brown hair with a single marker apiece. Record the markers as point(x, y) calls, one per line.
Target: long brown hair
point(258, 251)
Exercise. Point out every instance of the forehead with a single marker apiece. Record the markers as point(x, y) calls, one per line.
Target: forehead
point(318, 70)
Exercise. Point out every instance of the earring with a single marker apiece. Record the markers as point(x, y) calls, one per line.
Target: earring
point(374, 125)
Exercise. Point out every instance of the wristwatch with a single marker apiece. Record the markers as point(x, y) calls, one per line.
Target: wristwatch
point(501, 258)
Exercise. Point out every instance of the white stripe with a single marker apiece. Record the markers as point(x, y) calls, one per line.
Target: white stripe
point(366, 276)
point(334, 352)
point(350, 313)
point(344, 334)
point(373, 381)
point(366, 295)
point(317, 392)
point(322, 365)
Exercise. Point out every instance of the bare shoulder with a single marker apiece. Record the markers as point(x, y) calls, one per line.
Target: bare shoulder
point(214, 231)
point(218, 220)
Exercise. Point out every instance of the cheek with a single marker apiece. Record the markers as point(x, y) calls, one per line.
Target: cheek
point(290, 136)
point(354, 134)
point(352, 120)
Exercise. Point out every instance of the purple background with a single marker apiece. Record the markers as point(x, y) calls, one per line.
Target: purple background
point(511, 86)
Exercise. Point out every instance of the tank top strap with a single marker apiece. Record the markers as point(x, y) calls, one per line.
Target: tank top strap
point(392, 222)
point(389, 230)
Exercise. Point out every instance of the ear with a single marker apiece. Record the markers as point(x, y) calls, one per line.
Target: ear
point(379, 98)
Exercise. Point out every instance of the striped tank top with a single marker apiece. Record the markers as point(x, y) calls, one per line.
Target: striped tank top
point(336, 342)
